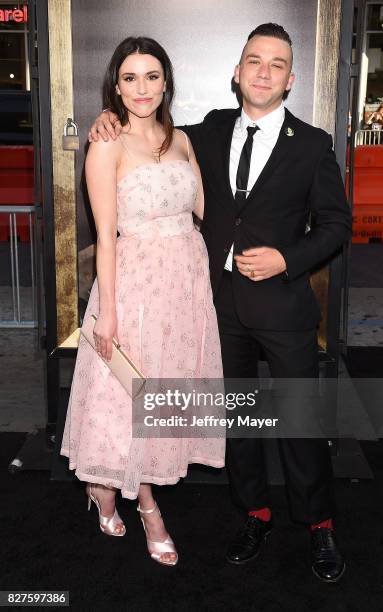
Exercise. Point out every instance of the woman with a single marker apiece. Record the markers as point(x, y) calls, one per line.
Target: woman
point(376, 118)
point(152, 293)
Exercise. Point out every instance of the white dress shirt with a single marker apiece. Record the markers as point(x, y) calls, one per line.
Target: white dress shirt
point(264, 141)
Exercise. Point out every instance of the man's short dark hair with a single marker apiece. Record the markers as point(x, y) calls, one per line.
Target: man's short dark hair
point(271, 29)
point(274, 30)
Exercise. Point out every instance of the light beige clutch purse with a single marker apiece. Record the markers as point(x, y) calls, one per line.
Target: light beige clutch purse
point(120, 364)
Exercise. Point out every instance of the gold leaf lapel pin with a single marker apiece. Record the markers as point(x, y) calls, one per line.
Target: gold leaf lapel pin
point(289, 131)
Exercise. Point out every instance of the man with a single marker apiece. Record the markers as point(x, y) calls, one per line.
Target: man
point(264, 173)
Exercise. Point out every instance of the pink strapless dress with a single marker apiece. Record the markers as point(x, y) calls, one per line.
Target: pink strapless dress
point(166, 323)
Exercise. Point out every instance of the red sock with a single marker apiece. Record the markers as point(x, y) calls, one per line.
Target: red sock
point(263, 513)
point(327, 524)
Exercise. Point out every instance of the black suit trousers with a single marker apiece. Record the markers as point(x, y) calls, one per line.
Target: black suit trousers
point(306, 462)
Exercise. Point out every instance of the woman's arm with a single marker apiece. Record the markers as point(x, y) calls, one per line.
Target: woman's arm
point(199, 203)
point(101, 171)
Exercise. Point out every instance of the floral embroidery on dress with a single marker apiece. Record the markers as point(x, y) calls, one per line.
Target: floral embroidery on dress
point(166, 323)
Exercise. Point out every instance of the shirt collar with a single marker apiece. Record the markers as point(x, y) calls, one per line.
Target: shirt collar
point(267, 124)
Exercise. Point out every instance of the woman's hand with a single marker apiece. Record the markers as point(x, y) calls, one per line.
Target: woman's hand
point(105, 330)
point(107, 124)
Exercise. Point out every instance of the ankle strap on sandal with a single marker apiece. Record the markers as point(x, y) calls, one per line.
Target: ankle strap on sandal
point(139, 509)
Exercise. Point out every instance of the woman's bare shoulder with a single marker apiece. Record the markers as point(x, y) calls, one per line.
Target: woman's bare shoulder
point(108, 152)
point(179, 134)
point(109, 146)
point(181, 141)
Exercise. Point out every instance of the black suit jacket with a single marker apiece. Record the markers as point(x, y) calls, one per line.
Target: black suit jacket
point(300, 182)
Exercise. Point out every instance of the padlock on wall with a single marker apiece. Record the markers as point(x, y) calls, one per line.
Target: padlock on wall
point(71, 141)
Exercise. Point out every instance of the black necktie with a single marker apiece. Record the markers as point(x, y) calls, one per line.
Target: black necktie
point(244, 167)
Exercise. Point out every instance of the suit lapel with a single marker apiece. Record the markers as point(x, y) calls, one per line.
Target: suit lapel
point(226, 146)
point(221, 155)
point(280, 151)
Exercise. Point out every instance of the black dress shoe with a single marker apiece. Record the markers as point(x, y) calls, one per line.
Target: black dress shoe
point(327, 562)
point(247, 543)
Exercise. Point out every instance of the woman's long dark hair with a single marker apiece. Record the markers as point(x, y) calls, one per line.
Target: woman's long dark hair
point(112, 100)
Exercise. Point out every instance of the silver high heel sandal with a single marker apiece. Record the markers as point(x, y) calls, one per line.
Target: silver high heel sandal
point(107, 525)
point(157, 549)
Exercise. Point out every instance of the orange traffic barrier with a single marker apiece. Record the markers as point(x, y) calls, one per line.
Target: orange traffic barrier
point(16, 186)
point(368, 175)
point(367, 223)
point(368, 194)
